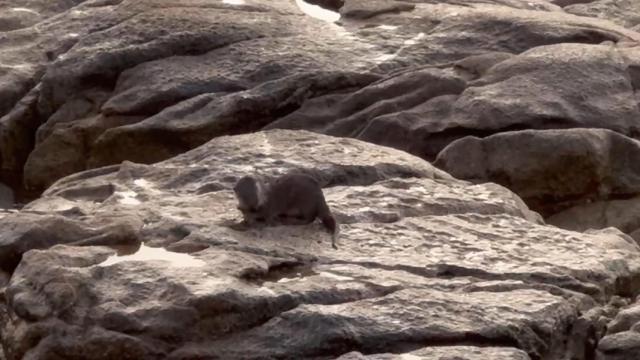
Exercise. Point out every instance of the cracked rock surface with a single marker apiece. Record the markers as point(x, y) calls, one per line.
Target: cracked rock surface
point(427, 267)
point(127, 122)
point(91, 83)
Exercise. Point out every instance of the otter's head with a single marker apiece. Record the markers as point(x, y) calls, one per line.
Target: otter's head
point(249, 194)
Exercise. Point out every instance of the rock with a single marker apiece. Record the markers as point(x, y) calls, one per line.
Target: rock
point(122, 259)
point(7, 199)
point(423, 259)
point(16, 136)
point(620, 214)
point(476, 66)
point(64, 151)
point(357, 9)
point(587, 165)
point(210, 115)
point(619, 346)
point(23, 232)
point(348, 116)
point(623, 12)
point(165, 77)
point(534, 90)
point(25, 55)
point(625, 320)
point(447, 352)
point(155, 85)
point(415, 313)
point(19, 14)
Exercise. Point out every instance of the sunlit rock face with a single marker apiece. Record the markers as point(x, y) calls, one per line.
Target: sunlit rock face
point(421, 257)
point(136, 117)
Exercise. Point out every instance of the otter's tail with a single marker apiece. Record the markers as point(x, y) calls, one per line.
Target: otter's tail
point(330, 223)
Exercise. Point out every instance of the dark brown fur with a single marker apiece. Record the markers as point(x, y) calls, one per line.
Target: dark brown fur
point(293, 199)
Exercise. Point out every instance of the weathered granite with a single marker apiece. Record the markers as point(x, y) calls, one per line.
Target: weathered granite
point(424, 261)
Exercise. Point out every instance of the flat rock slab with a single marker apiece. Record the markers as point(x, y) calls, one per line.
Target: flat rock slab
point(425, 264)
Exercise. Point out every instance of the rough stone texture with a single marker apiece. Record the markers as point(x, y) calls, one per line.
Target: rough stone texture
point(621, 214)
point(7, 198)
point(147, 80)
point(201, 118)
point(425, 264)
point(24, 231)
point(586, 165)
point(556, 86)
point(18, 14)
point(620, 346)
point(622, 12)
point(447, 352)
point(625, 319)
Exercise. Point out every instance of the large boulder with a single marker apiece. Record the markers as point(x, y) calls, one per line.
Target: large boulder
point(552, 170)
point(619, 346)
point(427, 265)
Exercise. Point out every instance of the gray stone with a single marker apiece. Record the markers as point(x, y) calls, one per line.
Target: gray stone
point(7, 199)
point(620, 346)
point(623, 12)
point(621, 214)
point(423, 259)
point(446, 353)
point(535, 90)
point(144, 81)
point(625, 319)
point(19, 14)
point(586, 165)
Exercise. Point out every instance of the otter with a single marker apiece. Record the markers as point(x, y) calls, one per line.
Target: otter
point(292, 199)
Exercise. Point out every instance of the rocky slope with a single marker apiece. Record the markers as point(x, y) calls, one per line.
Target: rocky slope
point(538, 96)
point(93, 83)
point(426, 264)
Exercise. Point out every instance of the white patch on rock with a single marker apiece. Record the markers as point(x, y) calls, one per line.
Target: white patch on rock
point(414, 40)
point(384, 57)
point(318, 12)
point(146, 253)
point(21, 9)
point(16, 66)
point(142, 183)
point(409, 357)
point(146, 185)
point(266, 290)
point(387, 27)
point(334, 276)
point(298, 277)
point(128, 197)
point(233, 2)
